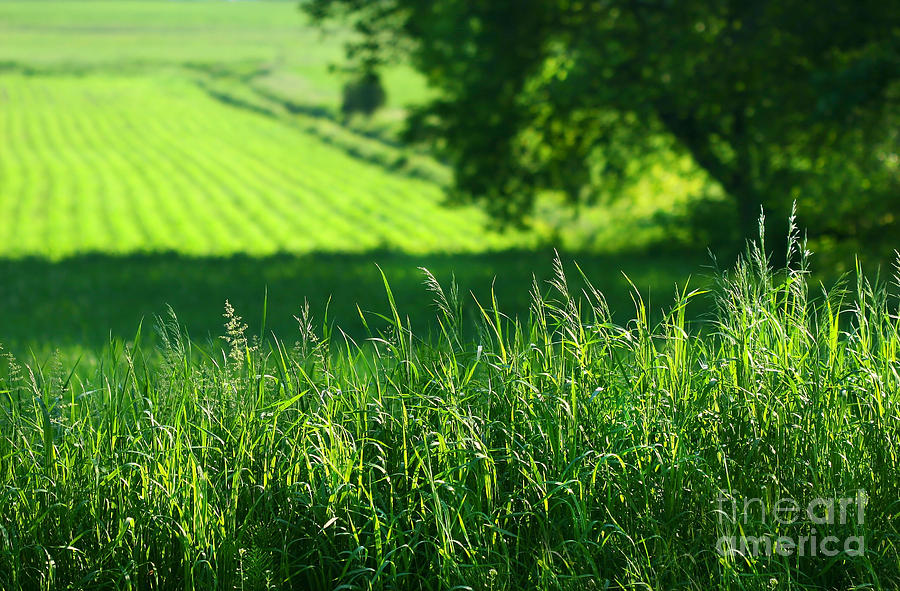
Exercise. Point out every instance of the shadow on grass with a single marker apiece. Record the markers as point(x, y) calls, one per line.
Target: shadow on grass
point(82, 301)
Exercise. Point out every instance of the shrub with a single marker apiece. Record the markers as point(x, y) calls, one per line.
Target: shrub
point(364, 95)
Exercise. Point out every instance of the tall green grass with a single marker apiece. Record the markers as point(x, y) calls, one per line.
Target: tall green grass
point(557, 451)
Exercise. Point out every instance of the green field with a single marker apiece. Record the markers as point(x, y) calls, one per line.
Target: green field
point(168, 137)
point(511, 418)
point(121, 141)
point(135, 164)
point(169, 112)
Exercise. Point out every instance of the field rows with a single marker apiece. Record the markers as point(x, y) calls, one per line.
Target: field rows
point(127, 164)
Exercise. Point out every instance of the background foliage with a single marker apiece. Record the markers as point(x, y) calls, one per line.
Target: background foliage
point(774, 101)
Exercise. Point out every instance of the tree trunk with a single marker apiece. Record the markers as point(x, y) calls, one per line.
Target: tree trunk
point(735, 176)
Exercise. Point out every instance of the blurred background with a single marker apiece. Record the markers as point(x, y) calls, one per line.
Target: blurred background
point(160, 152)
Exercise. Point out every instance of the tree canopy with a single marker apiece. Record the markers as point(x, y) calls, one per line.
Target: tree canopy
point(776, 100)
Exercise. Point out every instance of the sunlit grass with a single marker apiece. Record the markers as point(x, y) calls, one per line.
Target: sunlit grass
point(141, 164)
point(562, 450)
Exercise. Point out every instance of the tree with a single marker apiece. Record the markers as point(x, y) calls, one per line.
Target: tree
point(364, 94)
point(777, 100)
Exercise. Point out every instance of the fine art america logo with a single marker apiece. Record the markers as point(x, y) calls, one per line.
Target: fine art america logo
point(821, 527)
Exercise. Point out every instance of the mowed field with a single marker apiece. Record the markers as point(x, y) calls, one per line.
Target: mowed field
point(158, 153)
point(128, 164)
point(114, 143)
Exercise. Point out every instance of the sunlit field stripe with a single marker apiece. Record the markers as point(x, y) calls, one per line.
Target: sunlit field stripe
point(11, 167)
point(350, 200)
point(37, 146)
point(204, 204)
point(237, 230)
point(266, 198)
point(55, 154)
point(117, 224)
point(329, 220)
point(112, 199)
point(323, 167)
point(154, 188)
point(158, 183)
point(119, 148)
point(223, 165)
point(412, 216)
point(322, 212)
point(21, 144)
point(67, 170)
point(337, 221)
point(143, 165)
point(415, 216)
point(117, 143)
point(162, 181)
point(32, 172)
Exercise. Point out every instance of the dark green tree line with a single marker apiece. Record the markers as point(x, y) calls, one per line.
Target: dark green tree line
point(776, 100)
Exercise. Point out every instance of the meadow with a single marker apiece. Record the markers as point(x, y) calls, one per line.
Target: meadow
point(245, 344)
point(197, 148)
point(558, 451)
